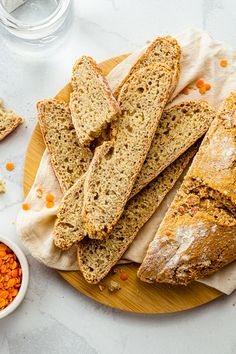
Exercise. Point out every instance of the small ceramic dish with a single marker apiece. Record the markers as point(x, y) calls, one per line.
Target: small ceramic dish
point(25, 277)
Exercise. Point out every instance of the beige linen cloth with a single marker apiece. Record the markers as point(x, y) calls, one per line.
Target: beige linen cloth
point(200, 59)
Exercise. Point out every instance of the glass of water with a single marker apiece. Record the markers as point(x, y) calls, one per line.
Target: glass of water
point(35, 22)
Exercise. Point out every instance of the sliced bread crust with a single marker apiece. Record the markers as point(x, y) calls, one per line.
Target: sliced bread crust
point(115, 165)
point(70, 160)
point(179, 128)
point(97, 257)
point(92, 103)
point(197, 235)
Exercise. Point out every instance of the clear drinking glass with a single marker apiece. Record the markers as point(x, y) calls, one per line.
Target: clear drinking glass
point(34, 23)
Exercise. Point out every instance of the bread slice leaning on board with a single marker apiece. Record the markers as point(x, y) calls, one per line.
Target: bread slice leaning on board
point(116, 164)
point(163, 50)
point(179, 128)
point(9, 121)
point(97, 257)
point(197, 235)
point(70, 160)
point(92, 103)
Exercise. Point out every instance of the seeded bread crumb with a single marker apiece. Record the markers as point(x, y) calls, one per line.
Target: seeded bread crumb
point(9, 121)
point(69, 158)
point(92, 103)
point(179, 128)
point(69, 227)
point(115, 165)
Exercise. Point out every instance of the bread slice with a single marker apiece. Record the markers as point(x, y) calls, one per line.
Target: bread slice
point(97, 257)
point(69, 227)
point(116, 164)
point(197, 235)
point(69, 158)
point(92, 103)
point(9, 121)
point(163, 50)
point(180, 127)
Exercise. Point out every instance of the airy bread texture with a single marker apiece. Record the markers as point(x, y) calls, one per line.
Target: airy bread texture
point(9, 121)
point(70, 160)
point(92, 103)
point(180, 127)
point(69, 227)
point(116, 164)
point(97, 257)
point(163, 50)
point(197, 235)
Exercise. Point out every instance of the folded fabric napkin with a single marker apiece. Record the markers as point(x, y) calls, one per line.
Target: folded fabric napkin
point(201, 56)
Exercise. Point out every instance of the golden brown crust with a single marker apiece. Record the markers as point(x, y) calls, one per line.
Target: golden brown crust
point(197, 235)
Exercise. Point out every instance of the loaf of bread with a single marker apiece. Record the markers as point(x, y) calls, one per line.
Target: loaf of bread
point(9, 121)
point(163, 50)
point(97, 257)
point(92, 103)
point(197, 235)
point(116, 164)
point(70, 160)
point(180, 127)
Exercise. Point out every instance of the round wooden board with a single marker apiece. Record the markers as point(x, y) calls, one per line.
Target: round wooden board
point(134, 295)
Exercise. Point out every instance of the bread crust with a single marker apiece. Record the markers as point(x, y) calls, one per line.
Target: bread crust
point(197, 240)
point(68, 231)
point(10, 126)
point(41, 106)
point(100, 153)
point(108, 97)
point(198, 104)
point(151, 197)
point(142, 61)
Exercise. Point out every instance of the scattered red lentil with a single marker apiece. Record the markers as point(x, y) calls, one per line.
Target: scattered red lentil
point(25, 206)
point(50, 205)
point(10, 166)
point(185, 91)
point(223, 63)
point(124, 276)
point(200, 83)
point(202, 90)
point(50, 198)
point(10, 276)
point(207, 86)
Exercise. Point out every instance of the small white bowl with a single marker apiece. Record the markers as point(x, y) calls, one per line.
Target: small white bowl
point(25, 277)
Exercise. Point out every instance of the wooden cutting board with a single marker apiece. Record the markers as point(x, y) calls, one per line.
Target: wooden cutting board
point(134, 295)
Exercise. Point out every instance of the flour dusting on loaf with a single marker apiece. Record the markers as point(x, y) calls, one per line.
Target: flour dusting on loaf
point(197, 235)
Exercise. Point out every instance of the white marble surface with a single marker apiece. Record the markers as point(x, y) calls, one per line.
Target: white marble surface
point(54, 318)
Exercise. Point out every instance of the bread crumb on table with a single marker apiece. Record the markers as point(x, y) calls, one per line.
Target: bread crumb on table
point(113, 286)
point(2, 187)
point(101, 287)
